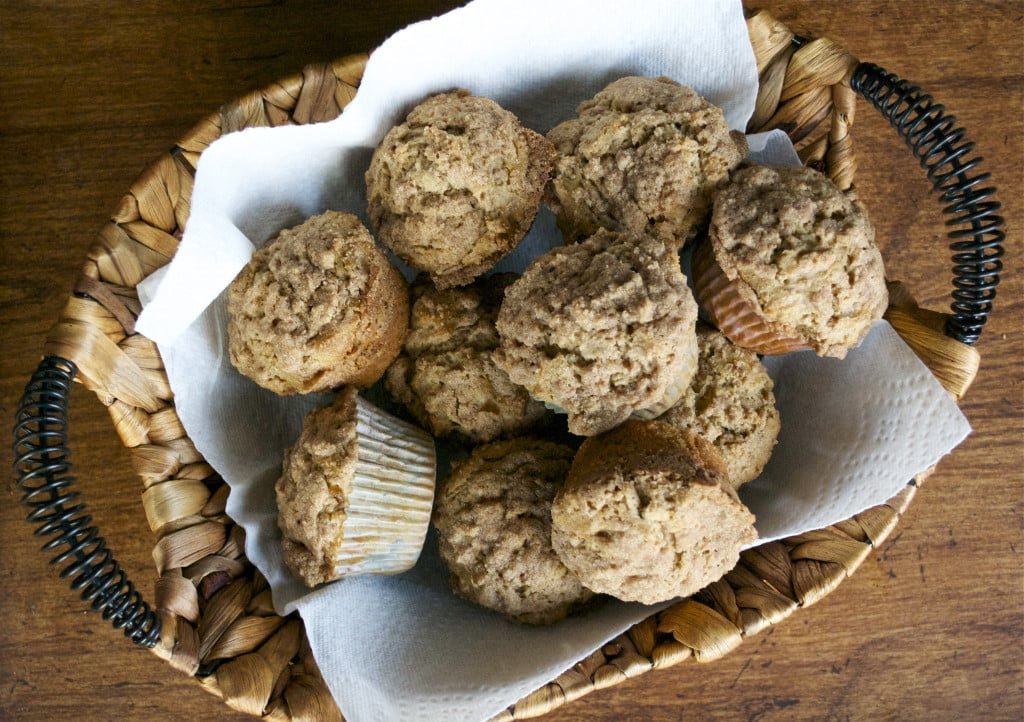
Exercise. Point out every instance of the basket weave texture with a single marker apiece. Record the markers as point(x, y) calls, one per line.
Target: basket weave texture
point(218, 621)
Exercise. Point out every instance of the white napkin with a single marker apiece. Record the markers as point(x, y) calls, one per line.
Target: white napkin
point(403, 647)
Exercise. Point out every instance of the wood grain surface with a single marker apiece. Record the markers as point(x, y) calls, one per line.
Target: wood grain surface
point(931, 625)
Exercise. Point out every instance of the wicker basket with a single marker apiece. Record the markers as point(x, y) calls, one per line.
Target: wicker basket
point(214, 619)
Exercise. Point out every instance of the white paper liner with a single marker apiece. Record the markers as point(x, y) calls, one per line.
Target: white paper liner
point(391, 495)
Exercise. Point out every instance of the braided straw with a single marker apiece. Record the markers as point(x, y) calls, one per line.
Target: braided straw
point(218, 621)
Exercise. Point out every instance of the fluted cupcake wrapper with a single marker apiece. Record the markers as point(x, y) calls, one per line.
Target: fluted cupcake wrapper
point(553, 407)
point(391, 495)
point(732, 314)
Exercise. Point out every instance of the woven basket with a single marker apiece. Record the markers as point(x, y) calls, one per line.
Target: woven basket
point(213, 616)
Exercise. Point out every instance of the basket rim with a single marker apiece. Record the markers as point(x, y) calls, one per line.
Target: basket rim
point(779, 577)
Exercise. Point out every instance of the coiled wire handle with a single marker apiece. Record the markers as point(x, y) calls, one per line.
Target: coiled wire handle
point(43, 472)
point(940, 146)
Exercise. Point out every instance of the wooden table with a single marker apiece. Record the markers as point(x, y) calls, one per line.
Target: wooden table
point(930, 627)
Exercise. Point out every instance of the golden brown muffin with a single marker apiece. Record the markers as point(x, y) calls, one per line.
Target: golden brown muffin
point(446, 375)
point(317, 307)
point(730, 403)
point(601, 329)
point(643, 155)
point(790, 263)
point(455, 187)
point(355, 493)
point(493, 519)
point(647, 514)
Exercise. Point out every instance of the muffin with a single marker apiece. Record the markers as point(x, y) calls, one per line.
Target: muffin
point(317, 307)
point(790, 263)
point(493, 520)
point(455, 187)
point(730, 403)
point(601, 329)
point(355, 493)
point(647, 514)
point(643, 155)
point(445, 375)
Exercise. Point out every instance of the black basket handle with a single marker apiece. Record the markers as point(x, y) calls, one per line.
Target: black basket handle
point(944, 152)
point(43, 471)
point(41, 456)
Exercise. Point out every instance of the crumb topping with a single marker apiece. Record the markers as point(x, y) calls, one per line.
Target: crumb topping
point(600, 328)
point(494, 521)
point(644, 154)
point(456, 186)
point(804, 252)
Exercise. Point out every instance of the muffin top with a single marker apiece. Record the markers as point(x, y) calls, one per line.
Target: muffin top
point(454, 318)
point(445, 375)
point(730, 403)
point(493, 517)
point(643, 155)
point(647, 515)
point(314, 486)
point(455, 187)
point(803, 254)
point(318, 306)
point(600, 328)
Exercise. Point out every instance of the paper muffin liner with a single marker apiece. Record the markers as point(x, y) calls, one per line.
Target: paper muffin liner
point(734, 315)
point(676, 389)
point(553, 407)
point(391, 495)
